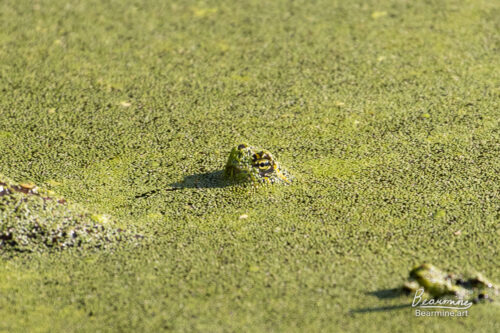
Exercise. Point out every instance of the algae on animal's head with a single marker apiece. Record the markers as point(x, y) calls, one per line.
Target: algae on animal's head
point(247, 163)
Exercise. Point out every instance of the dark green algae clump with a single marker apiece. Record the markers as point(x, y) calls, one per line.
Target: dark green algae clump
point(33, 219)
point(437, 283)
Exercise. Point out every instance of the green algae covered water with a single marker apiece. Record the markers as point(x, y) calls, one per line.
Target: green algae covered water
point(384, 112)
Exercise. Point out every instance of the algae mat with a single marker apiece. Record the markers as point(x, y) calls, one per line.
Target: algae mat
point(385, 112)
point(34, 220)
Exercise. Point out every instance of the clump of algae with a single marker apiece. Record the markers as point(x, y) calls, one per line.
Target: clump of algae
point(34, 219)
point(438, 283)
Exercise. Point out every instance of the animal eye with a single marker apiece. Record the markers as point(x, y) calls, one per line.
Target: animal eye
point(264, 164)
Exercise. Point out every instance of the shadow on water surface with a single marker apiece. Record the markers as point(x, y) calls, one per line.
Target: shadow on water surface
point(382, 308)
point(384, 294)
point(213, 179)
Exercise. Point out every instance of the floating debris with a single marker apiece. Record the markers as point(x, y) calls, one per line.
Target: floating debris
point(246, 163)
point(437, 283)
point(33, 219)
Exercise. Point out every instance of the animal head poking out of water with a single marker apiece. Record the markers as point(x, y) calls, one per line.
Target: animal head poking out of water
point(246, 163)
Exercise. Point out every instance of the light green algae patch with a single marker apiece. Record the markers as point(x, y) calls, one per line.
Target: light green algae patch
point(33, 219)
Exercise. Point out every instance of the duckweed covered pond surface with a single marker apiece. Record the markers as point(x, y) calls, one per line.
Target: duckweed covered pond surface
point(33, 219)
point(386, 112)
